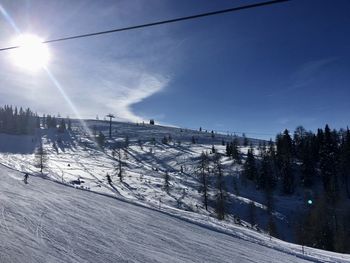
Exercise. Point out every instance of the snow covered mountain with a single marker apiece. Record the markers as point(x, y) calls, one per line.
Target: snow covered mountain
point(133, 220)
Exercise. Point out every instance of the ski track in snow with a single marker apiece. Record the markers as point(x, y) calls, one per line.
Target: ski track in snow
point(52, 222)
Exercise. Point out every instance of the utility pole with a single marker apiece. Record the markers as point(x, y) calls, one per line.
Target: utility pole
point(110, 116)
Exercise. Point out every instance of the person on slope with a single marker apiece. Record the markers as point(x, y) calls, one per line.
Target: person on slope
point(109, 180)
point(25, 180)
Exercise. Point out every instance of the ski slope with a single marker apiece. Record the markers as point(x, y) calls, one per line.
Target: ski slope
point(98, 205)
point(146, 160)
point(45, 221)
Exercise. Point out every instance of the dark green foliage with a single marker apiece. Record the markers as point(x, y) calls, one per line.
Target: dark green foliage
point(271, 227)
point(220, 208)
point(193, 140)
point(285, 161)
point(328, 164)
point(40, 158)
point(252, 213)
point(344, 162)
point(51, 122)
point(14, 121)
point(167, 182)
point(232, 150)
point(203, 167)
point(62, 126)
point(249, 168)
point(266, 178)
point(316, 228)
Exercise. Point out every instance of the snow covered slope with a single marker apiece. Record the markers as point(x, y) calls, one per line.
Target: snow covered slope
point(73, 155)
point(44, 221)
point(146, 160)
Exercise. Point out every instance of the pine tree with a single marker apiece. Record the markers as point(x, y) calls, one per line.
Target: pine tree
point(252, 213)
point(328, 165)
point(271, 227)
point(62, 126)
point(167, 182)
point(266, 180)
point(193, 140)
point(220, 184)
point(69, 124)
point(235, 153)
point(249, 167)
point(203, 167)
point(41, 158)
point(345, 161)
point(284, 160)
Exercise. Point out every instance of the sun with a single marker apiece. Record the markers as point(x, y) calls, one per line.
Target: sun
point(31, 53)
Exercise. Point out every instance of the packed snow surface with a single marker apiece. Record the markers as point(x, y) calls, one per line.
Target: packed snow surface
point(44, 221)
point(49, 220)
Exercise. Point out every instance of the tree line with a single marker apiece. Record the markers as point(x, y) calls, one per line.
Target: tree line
point(18, 121)
point(318, 162)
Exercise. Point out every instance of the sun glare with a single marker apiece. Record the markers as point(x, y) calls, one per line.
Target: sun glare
point(32, 54)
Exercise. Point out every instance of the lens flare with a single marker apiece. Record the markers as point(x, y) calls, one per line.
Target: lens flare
point(31, 53)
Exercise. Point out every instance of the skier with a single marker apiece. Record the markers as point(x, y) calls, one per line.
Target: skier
point(109, 180)
point(25, 180)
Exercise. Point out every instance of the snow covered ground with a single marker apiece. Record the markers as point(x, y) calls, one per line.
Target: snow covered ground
point(74, 155)
point(145, 162)
point(45, 221)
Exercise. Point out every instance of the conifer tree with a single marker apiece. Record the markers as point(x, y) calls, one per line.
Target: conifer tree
point(203, 167)
point(328, 165)
point(167, 182)
point(249, 167)
point(41, 157)
point(284, 160)
point(345, 161)
point(220, 208)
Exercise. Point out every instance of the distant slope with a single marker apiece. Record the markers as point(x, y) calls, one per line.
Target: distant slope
point(47, 222)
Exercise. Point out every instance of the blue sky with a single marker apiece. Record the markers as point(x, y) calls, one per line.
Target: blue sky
point(259, 70)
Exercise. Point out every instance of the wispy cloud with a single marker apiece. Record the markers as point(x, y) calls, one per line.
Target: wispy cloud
point(304, 75)
point(99, 77)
